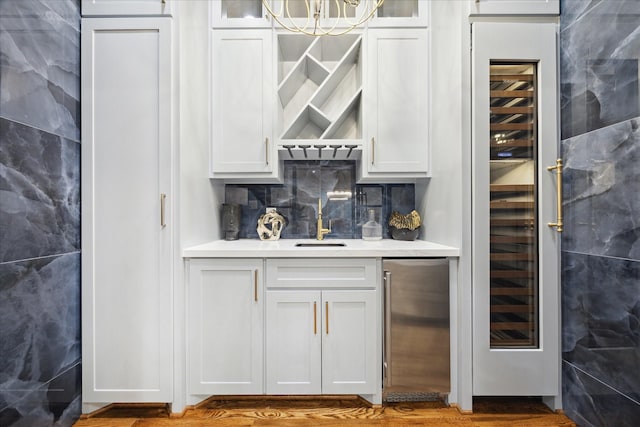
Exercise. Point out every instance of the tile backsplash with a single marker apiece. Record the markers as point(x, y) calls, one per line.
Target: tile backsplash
point(333, 182)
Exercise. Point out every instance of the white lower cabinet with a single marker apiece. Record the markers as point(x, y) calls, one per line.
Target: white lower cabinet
point(225, 326)
point(321, 339)
point(316, 330)
point(321, 342)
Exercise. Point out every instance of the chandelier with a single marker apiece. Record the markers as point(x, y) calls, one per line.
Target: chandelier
point(321, 17)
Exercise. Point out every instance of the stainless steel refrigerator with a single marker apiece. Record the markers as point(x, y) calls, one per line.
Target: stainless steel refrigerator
point(416, 329)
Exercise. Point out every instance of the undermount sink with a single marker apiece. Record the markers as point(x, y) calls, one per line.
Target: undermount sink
point(319, 244)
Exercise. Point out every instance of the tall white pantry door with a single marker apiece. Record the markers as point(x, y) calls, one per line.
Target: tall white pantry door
point(126, 210)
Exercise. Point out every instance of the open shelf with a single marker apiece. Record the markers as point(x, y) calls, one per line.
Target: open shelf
point(319, 87)
point(345, 124)
point(310, 124)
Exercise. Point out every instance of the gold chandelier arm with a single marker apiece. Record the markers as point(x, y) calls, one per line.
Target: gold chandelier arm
point(314, 15)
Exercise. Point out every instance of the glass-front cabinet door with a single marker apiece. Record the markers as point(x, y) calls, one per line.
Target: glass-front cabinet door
point(515, 7)
point(318, 17)
point(516, 321)
point(401, 13)
point(513, 219)
point(127, 8)
point(238, 13)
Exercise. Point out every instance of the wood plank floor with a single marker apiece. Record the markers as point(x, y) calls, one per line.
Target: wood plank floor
point(332, 411)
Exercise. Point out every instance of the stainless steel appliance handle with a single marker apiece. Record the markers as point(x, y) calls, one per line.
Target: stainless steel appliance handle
point(386, 336)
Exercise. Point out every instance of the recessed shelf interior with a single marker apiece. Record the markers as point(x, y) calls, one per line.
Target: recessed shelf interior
point(310, 124)
point(345, 126)
point(291, 47)
point(319, 86)
point(301, 83)
point(345, 81)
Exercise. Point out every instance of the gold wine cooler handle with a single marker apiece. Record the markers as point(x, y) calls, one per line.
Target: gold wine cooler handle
point(558, 169)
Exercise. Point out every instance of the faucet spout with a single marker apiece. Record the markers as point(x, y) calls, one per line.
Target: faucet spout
point(321, 231)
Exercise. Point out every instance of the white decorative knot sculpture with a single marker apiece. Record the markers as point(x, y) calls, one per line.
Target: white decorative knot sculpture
point(270, 225)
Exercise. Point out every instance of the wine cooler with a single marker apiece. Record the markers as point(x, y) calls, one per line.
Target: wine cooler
point(516, 211)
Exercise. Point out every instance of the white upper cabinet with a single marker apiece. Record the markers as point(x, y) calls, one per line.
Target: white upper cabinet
point(515, 7)
point(238, 14)
point(126, 7)
point(278, 95)
point(241, 105)
point(397, 104)
point(401, 13)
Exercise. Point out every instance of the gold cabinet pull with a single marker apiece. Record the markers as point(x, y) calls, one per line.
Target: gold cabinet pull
point(373, 150)
point(266, 150)
point(163, 198)
point(558, 168)
point(255, 285)
point(326, 316)
point(315, 319)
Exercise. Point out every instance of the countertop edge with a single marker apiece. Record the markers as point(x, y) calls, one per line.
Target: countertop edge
point(388, 248)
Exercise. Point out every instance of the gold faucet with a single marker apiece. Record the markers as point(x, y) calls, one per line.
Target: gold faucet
point(321, 231)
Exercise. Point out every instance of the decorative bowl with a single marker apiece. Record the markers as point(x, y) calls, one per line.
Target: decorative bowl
point(404, 233)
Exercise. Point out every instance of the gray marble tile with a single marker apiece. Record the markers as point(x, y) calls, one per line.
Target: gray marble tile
point(599, 52)
point(591, 403)
point(601, 187)
point(40, 193)
point(40, 64)
point(39, 323)
point(601, 319)
point(55, 404)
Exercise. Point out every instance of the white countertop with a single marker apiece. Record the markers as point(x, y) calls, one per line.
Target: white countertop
point(286, 248)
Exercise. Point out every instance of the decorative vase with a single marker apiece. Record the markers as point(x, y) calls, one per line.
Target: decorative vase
point(231, 215)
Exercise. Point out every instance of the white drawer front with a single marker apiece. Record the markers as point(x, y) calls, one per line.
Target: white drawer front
point(326, 273)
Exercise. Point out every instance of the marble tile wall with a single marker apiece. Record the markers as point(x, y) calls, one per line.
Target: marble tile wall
point(40, 360)
point(599, 51)
point(297, 200)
